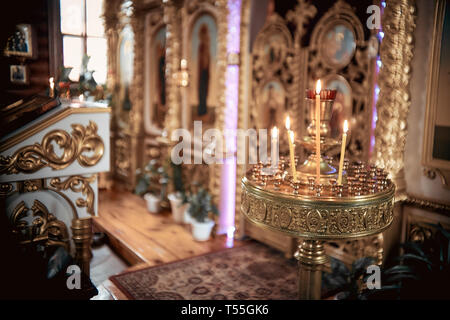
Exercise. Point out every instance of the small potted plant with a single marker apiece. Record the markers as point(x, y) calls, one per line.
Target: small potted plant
point(177, 196)
point(148, 181)
point(200, 210)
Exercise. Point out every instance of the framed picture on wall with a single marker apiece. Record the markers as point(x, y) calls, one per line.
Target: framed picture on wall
point(436, 146)
point(22, 42)
point(18, 74)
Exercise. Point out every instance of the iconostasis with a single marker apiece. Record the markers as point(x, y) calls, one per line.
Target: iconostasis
point(247, 64)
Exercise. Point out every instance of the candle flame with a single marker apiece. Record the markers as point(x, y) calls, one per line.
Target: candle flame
point(318, 87)
point(291, 136)
point(274, 132)
point(51, 80)
point(288, 123)
point(345, 126)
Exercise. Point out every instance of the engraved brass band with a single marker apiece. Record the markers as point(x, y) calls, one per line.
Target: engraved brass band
point(32, 158)
point(326, 218)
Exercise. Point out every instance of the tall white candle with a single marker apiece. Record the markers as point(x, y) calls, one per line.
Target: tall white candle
point(318, 89)
point(274, 148)
point(291, 147)
point(341, 161)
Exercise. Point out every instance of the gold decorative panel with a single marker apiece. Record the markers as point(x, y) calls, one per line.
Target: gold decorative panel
point(273, 84)
point(75, 145)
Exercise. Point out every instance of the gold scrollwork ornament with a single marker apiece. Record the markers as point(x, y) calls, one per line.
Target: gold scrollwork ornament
point(45, 228)
point(78, 184)
point(32, 158)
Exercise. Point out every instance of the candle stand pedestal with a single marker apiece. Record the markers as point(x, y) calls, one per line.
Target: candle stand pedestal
point(317, 210)
point(298, 211)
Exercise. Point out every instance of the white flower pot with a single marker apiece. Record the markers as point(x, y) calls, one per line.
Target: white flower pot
point(177, 208)
point(153, 202)
point(202, 230)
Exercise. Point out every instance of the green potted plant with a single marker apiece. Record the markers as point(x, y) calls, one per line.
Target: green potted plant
point(421, 272)
point(149, 179)
point(345, 283)
point(201, 209)
point(177, 205)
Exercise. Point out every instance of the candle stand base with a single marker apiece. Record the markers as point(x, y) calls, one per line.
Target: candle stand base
point(311, 259)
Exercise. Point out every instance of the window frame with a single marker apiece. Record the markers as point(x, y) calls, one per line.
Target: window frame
point(84, 36)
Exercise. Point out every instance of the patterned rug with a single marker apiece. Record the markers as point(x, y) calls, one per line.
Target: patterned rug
point(253, 271)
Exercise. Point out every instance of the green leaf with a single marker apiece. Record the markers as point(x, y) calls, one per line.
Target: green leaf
point(413, 247)
point(141, 187)
point(414, 257)
point(400, 277)
point(398, 269)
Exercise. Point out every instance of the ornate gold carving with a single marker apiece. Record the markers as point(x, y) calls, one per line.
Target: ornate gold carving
point(431, 173)
point(78, 184)
point(350, 250)
point(45, 229)
point(319, 219)
point(427, 204)
point(122, 157)
point(58, 116)
point(272, 68)
point(396, 53)
point(30, 185)
point(172, 18)
point(136, 89)
point(32, 158)
point(5, 189)
point(304, 11)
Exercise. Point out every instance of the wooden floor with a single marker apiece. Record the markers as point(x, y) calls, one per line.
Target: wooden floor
point(144, 239)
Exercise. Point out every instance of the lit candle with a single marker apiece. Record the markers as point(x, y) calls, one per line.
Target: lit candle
point(291, 147)
point(318, 88)
point(274, 148)
point(52, 87)
point(341, 161)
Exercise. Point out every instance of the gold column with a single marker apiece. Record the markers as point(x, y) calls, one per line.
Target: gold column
point(396, 52)
point(311, 258)
point(82, 235)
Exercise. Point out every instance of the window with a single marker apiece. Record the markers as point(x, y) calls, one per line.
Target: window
point(83, 33)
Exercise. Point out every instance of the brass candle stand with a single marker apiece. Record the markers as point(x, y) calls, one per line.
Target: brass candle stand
point(316, 212)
